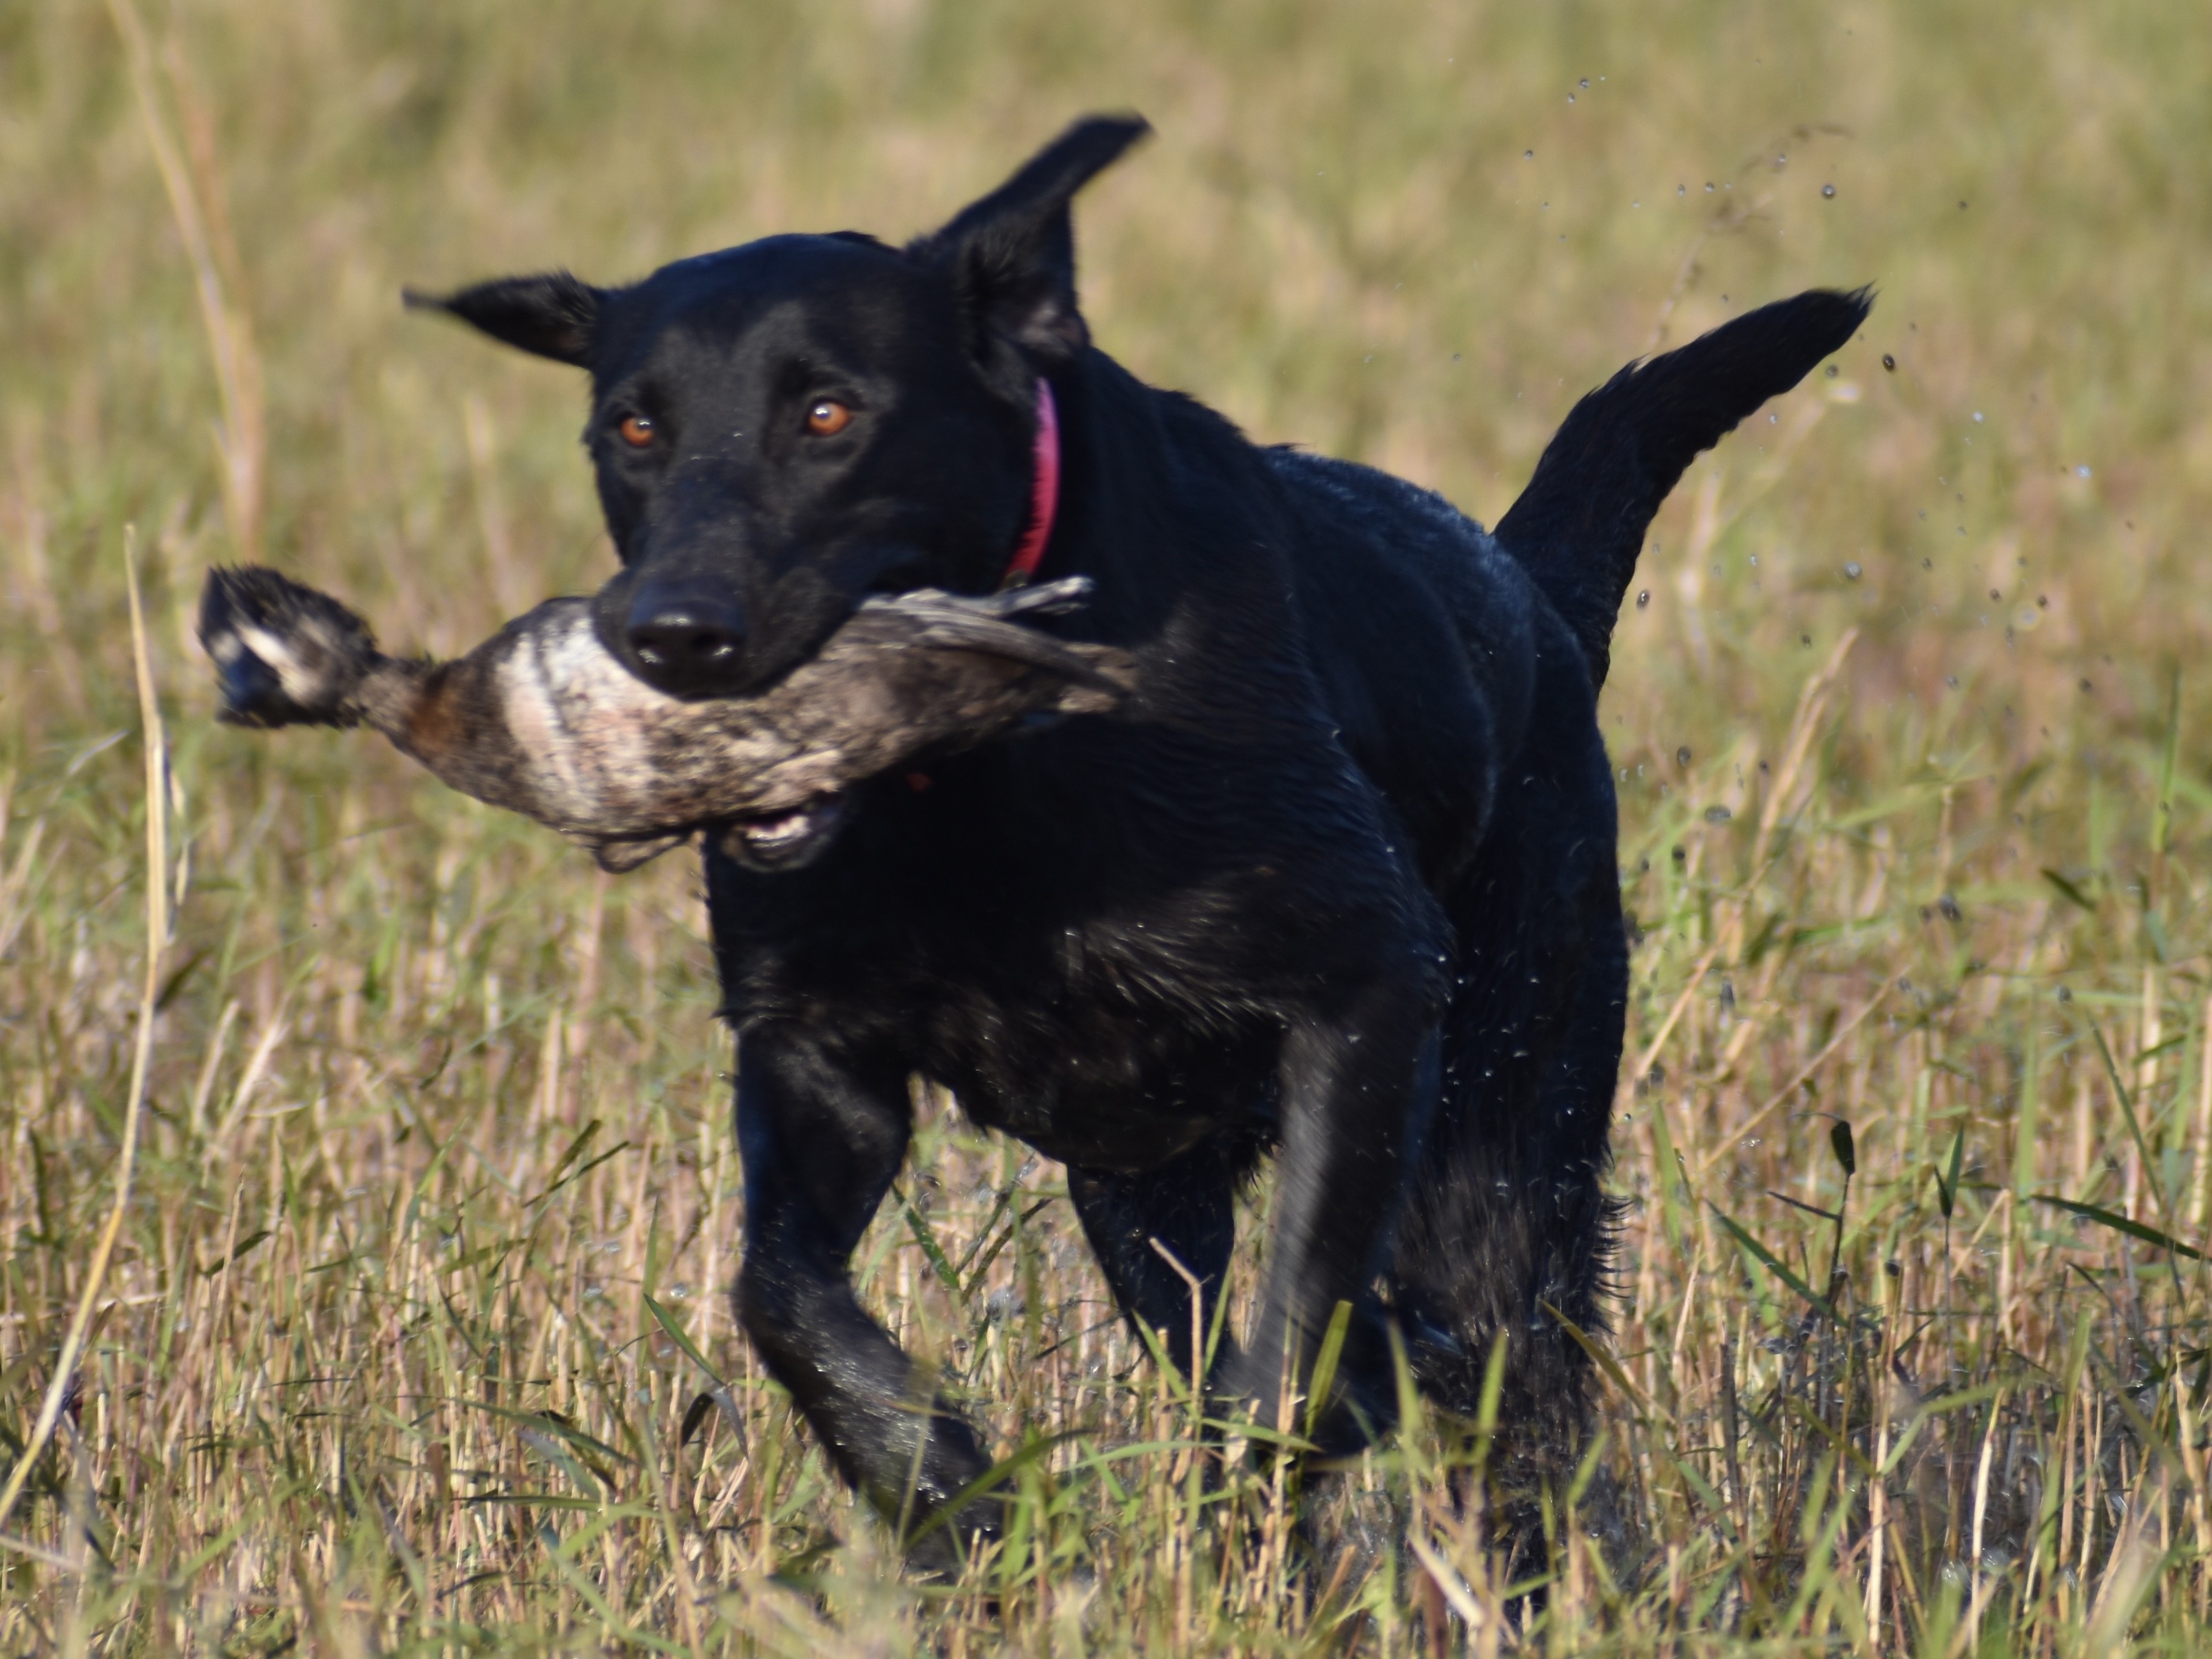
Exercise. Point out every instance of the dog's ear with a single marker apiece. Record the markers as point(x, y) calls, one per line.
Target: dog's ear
point(553, 315)
point(1011, 255)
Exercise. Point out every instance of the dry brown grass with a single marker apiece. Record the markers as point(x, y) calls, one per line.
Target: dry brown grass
point(436, 1115)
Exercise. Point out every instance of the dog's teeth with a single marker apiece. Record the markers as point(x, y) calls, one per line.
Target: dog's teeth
point(783, 824)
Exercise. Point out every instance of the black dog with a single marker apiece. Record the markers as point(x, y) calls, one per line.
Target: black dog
point(1340, 880)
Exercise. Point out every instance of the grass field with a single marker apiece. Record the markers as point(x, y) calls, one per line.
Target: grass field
point(418, 1280)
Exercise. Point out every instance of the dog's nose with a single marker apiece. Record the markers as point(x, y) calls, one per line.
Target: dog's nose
point(686, 639)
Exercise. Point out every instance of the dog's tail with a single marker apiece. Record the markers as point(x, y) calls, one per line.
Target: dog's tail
point(1579, 525)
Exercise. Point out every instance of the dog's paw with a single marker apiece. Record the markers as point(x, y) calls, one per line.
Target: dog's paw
point(284, 654)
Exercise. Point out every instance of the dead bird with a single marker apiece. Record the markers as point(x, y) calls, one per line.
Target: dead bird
point(541, 720)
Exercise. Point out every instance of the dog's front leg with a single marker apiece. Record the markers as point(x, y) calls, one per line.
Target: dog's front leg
point(1359, 1081)
point(821, 1145)
point(1151, 1229)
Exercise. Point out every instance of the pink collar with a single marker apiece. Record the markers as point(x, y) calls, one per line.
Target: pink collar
point(1044, 491)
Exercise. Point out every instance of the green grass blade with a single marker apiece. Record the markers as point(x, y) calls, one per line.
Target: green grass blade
point(2120, 1223)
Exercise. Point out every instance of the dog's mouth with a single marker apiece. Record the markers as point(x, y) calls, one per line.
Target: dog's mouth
point(790, 840)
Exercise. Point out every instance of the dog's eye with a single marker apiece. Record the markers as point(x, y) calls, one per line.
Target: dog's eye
point(827, 418)
point(635, 430)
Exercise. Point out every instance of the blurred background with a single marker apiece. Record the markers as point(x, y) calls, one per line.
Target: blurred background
point(1908, 708)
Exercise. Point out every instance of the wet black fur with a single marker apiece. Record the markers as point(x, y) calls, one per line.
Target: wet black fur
point(1340, 882)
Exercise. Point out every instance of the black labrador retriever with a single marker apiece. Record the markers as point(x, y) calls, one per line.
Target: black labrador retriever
point(1337, 881)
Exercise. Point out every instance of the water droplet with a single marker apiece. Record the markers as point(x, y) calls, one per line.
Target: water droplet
point(1889, 363)
point(1951, 680)
point(1978, 418)
point(1586, 82)
point(1643, 597)
point(1682, 756)
point(2082, 471)
point(1827, 189)
point(1717, 815)
point(1570, 97)
point(1851, 570)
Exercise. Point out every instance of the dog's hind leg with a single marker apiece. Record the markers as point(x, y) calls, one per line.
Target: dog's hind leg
point(1509, 1219)
point(1359, 1084)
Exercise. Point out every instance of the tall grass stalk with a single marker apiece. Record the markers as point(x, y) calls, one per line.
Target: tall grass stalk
point(64, 1385)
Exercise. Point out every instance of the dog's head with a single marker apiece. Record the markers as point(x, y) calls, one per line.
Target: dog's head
point(781, 428)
